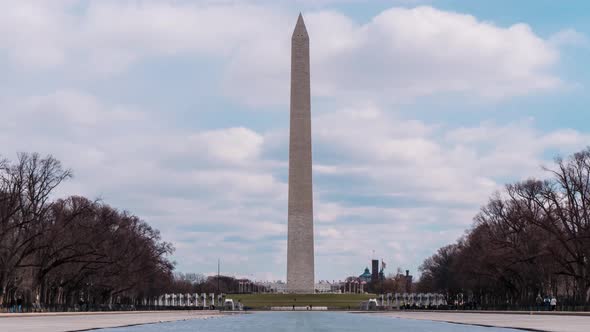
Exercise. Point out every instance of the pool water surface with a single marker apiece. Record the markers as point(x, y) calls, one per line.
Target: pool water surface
point(305, 322)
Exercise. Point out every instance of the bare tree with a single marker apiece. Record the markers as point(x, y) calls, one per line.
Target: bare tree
point(531, 239)
point(26, 187)
point(60, 252)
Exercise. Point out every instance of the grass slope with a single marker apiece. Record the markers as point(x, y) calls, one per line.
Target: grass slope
point(332, 301)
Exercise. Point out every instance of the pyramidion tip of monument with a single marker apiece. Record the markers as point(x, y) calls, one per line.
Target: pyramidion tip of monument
point(300, 30)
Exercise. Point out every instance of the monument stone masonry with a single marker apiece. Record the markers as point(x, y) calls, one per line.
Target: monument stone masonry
point(300, 251)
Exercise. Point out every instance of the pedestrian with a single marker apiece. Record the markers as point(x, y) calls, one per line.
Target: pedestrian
point(81, 303)
point(539, 302)
point(19, 304)
point(553, 303)
point(37, 303)
point(12, 304)
point(547, 303)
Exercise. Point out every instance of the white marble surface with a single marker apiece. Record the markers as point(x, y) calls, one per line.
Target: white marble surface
point(553, 323)
point(52, 322)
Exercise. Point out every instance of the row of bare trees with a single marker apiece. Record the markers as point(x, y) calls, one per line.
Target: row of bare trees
point(531, 239)
point(197, 283)
point(62, 252)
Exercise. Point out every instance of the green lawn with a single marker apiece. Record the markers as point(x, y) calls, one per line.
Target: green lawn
point(332, 301)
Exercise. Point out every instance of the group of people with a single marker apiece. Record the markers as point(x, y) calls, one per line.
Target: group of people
point(547, 303)
point(16, 304)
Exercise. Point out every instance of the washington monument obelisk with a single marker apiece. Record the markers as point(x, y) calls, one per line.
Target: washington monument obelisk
point(300, 254)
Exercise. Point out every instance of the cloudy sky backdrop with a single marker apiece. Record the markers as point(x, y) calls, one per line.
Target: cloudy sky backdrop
point(178, 112)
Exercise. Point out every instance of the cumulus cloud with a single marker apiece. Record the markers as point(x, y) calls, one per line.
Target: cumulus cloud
point(569, 37)
point(33, 34)
point(398, 55)
point(215, 191)
point(108, 36)
point(226, 190)
point(233, 145)
point(402, 54)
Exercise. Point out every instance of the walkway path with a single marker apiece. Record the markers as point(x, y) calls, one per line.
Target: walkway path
point(53, 322)
point(534, 322)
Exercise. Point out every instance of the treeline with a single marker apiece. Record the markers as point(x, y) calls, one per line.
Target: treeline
point(58, 253)
point(197, 283)
point(530, 240)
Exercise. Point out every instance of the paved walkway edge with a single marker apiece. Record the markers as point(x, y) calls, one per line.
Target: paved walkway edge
point(519, 321)
point(482, 325)
point(136, 324)
point(530, 313)
point(90, 313)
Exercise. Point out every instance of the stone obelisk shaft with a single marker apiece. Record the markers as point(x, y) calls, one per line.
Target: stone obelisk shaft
point(300, 251)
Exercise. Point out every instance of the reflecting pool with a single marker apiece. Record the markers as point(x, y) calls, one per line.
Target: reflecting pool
point(304, 322)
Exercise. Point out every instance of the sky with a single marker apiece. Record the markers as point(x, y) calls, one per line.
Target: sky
point(178, 111)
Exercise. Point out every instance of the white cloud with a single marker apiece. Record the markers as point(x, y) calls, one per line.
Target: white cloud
point(235, 145)
point(108, 36)
point(399, 54)
point(569, 37)
point(77, 109)
point(210, 181)
point(402, 54)
point(412, 159)
point(217, 191)
point(33, 34)
point(514, 149)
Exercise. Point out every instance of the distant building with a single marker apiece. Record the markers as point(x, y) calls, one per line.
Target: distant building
point(326, 287)
point(366, 276)
point(375, 270)
point(408, 281)
point(323, 286)
point(275, 286)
